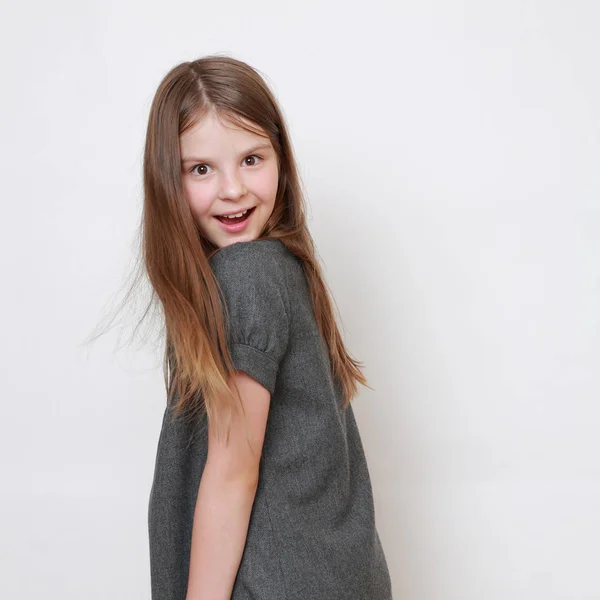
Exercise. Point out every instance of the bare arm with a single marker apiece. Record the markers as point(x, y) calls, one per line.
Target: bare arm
point(219, 535)
point(225, 499)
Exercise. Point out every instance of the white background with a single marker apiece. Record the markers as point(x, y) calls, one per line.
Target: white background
point(450, 152)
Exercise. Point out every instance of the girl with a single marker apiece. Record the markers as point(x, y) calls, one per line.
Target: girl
point(261, 489)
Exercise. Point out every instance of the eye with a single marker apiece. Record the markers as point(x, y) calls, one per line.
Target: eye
point(252, 156)
point(199, 166)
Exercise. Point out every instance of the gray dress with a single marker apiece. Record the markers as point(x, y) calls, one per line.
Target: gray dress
point(312, 532)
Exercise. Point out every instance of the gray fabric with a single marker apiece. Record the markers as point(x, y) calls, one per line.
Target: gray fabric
point(312, 532)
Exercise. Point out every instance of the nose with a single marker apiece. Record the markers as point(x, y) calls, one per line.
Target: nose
point(232, 187)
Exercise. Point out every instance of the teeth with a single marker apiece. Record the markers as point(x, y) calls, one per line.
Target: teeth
point(234, 216)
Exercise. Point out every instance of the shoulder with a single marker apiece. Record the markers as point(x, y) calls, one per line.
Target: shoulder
point(262, 258)
point(254, 269)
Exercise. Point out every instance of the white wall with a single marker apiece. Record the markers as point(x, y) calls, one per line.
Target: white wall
point(450, 152)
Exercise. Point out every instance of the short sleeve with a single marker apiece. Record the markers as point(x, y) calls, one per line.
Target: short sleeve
point(252, 281)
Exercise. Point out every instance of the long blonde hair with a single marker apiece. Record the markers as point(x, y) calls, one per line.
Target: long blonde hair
point(197, 362)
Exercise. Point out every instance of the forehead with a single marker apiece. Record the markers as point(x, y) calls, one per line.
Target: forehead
point(212, 133)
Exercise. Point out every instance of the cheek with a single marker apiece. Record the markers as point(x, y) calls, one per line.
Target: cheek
point(268, 184)
point(199, 199)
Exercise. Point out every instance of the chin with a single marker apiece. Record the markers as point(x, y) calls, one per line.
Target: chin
point(233, 240)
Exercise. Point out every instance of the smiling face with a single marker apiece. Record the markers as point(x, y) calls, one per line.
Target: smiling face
point(226, 170)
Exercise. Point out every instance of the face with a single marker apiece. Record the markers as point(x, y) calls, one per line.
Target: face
point(225, 171)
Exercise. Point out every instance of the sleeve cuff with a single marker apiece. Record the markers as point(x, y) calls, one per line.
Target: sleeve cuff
point(259, 365)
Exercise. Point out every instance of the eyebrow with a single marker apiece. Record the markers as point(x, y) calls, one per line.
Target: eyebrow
point(249, 151)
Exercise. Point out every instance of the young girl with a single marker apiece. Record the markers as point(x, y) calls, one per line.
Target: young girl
point(261, 489)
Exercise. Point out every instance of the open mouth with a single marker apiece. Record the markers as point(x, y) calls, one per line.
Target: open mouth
point(237, 219)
